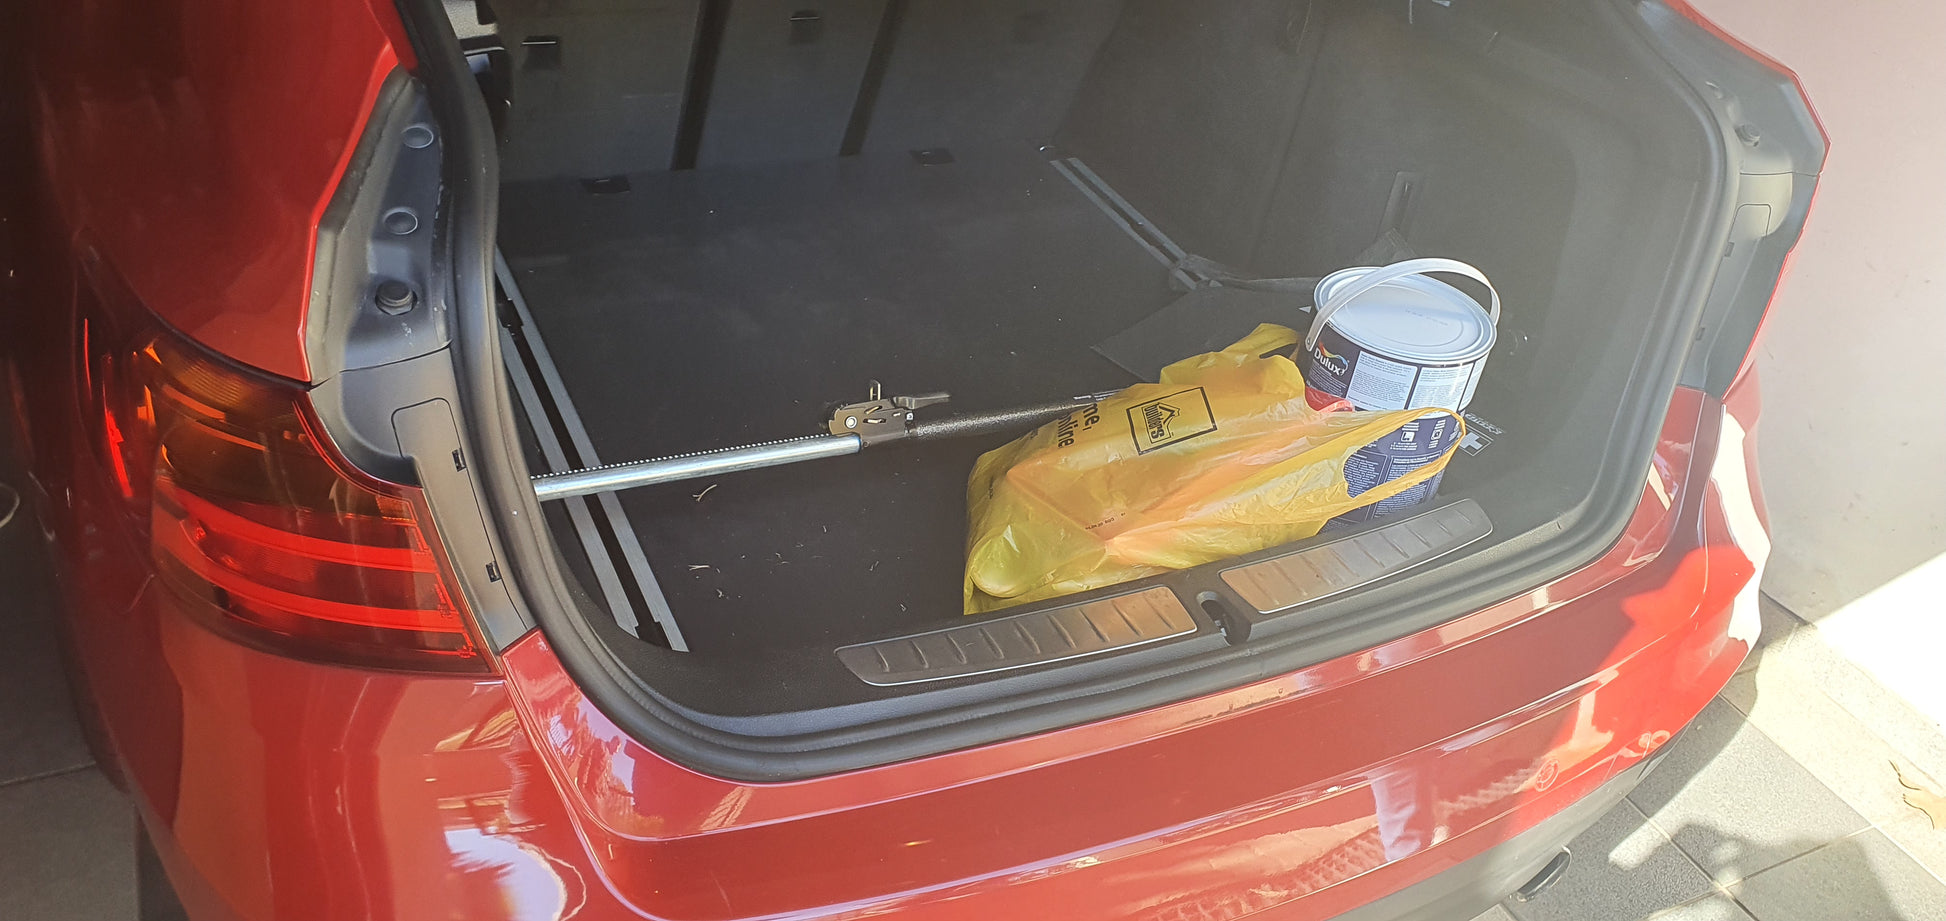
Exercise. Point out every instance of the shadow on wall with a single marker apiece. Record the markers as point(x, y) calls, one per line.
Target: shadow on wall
point(1849, 354)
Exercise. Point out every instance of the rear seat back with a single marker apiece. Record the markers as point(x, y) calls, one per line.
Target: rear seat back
point(786, 79)
point(597, 87)
point(962, 73)
point(600, 87)
point(1190, 110)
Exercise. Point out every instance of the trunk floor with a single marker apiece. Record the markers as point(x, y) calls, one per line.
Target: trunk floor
point(716, 307)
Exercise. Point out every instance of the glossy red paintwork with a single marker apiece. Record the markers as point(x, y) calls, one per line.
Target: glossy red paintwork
point(195, 144)
point(1262, 796)
point(281, 789)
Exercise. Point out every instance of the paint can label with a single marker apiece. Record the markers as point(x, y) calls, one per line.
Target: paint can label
point(1414, 445)
point(1340, 369)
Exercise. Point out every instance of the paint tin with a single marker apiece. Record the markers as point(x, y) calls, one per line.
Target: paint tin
point(1414, 445)
point(1392, 338)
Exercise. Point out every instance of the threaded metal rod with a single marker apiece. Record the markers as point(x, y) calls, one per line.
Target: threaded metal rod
point(705, 464)
point(691, 466)
point(999, 420)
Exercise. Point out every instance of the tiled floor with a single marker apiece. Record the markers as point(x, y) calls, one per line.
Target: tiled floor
point(66, 836)
point(1779, 804)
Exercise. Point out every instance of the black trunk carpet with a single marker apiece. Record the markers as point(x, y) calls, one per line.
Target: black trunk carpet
point(710, 308)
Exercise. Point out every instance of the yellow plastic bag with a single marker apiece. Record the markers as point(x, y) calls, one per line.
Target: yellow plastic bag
point(1222, 457)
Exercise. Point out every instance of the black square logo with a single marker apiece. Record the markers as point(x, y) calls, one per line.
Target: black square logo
point(1169, 420)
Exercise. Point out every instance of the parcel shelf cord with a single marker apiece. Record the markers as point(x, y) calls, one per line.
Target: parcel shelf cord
point(10, 498)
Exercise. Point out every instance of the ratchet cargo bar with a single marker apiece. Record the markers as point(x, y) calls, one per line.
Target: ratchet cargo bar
point(852, 428)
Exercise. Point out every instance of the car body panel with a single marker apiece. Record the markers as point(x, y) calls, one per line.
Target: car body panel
point(1257, 797)
point(277, 788)
point(194, 144)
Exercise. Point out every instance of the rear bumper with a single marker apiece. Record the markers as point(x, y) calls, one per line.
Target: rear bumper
point(1484, 880)
point(495, 837)
point(1303, 795)
point(1423, 778)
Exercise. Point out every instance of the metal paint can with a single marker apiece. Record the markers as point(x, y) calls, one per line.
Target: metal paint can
point(1390, 338)
point(1414, 445)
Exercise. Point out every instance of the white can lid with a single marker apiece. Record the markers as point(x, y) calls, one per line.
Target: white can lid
point(1414, 317)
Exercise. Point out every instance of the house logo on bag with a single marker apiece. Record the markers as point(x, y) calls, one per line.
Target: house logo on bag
point(1169, 420)
point(1156, 417)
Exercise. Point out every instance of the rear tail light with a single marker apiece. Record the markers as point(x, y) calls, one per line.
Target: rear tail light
point(263, 532)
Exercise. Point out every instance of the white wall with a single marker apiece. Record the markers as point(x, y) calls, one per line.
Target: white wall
point(1853, 359)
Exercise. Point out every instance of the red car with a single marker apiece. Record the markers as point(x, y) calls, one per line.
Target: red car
point(313, 291)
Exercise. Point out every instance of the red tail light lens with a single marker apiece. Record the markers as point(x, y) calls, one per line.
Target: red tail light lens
point(266, 535)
